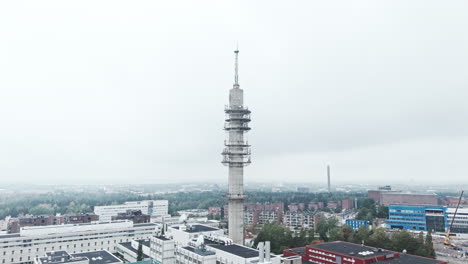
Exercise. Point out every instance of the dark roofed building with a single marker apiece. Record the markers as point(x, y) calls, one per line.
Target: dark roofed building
point(345, 252)
point(197, 228)
point(93, 257)
point(98, 257)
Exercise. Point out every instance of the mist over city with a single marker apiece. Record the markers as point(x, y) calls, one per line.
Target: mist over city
point(233, 132)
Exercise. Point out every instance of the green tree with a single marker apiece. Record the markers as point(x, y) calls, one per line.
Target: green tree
point(322, 228)
point(140, 252)
point(379, 239)
point(336, 233)
point(402, 240)
point(361, 235)
point(382, 212)
point(429, 246)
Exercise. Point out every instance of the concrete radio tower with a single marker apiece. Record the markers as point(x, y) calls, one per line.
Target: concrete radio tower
point(236, 155)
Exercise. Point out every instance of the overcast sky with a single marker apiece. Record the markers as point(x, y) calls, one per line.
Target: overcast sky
point(134, 91)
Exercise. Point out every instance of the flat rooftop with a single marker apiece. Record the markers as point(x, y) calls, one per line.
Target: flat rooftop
point(350, 249)
point(162, 238)
point(144, 242)
point(9, 236)
point(299, 250)
point(59, 257)
point(128, 245)
point(198, 228)
point(237, 250)
point(145, 224)
point(99, 257)
point(346, 248)
point(410, 259)
point(199, 251)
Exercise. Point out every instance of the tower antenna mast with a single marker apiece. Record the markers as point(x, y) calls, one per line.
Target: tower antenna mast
point(236, 73)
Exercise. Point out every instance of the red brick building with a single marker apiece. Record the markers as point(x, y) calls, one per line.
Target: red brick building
point(214, 210)
point(347, 204)
point(350, 253)
point(333, 205)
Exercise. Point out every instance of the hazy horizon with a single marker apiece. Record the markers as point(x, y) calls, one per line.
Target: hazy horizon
point(119, 92)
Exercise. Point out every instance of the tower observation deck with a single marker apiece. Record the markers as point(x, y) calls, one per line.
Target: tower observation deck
point(236, 155)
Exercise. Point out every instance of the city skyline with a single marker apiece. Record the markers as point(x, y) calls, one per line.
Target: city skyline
point(133, 94)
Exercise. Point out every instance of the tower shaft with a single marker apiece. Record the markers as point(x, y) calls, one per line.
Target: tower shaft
point(236, 155)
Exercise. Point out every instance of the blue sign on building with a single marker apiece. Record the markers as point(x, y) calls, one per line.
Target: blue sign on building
point(420, 218)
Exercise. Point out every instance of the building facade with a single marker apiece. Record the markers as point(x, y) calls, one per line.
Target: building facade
point(156, 208)
point(298, 220)
point(460, 223)
point(356, 224)
point(420, 218)
point(33, 242)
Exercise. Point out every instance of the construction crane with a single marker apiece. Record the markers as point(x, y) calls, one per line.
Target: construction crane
point(447, 240)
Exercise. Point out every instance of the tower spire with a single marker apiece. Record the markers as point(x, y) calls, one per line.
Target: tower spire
point(236, 68)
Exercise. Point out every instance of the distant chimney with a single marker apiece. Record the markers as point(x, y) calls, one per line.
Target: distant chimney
point(328, 175)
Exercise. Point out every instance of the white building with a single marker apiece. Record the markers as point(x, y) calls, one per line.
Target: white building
point(63, 257)
point(33, 242)
point(238, 254)
point(193, 255)
point(198, 244)
point(155, 208)
point(162, 249)
point(194, 212)
point(460, 224)
point(129, 250)
point(183, 234)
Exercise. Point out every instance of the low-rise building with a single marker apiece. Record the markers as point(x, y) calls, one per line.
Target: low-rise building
point(182, 234)
point(129, 250)
point(14, 224)
point(154, 208)
point(214, 210)
point(136, 216)
point(350, 253)
point(356, 224)
point(92, 257)
point(195, 255)
point(194, 212)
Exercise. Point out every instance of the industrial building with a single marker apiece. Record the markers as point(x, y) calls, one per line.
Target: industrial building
point(388, 197)
point(33, 242)
point(421, 218)
point(154, 208)
point(350, 253)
